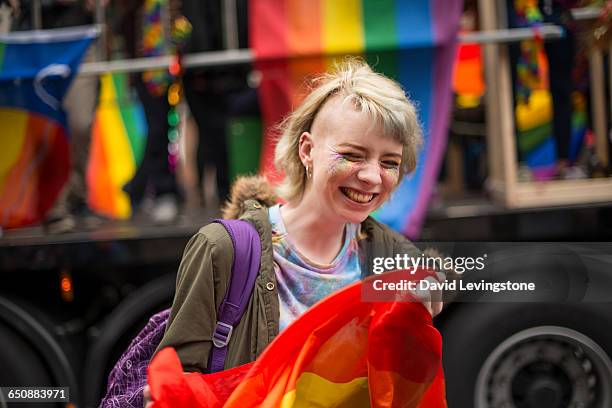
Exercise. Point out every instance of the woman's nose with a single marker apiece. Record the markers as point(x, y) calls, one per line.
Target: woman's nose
point(370, 174)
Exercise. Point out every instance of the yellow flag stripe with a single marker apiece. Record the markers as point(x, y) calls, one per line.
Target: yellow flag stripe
point(116, 144)
point(342, 26)
point(536, 113)
point(312, 390)
point(14, 123)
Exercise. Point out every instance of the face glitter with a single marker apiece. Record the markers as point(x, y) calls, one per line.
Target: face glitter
point(392, 172)
point(339, 163)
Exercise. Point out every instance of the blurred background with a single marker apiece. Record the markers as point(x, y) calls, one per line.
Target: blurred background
point(123, 124)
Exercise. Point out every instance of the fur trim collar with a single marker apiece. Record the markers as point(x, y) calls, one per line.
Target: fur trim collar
point(248, 188)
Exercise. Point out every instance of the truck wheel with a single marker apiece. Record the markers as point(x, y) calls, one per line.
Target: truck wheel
point(119, 328)
point(21, 364)
point(30, 355)
point(527, 355)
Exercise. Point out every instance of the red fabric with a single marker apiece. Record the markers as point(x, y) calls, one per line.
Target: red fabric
point(392, 344)
point(275, 101)
point(268, 39)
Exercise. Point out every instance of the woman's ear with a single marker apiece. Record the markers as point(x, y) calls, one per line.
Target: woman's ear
point(305, 148)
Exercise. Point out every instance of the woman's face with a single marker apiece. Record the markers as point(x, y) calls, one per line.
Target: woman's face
point(354, 166)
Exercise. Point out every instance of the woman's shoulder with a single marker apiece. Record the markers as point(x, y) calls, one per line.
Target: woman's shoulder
point(213, 234)
point(375, 229)
point(377, 232)
point(216, 236)
point(210, 245)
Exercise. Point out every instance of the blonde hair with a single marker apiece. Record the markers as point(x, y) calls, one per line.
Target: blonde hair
point(372, 93)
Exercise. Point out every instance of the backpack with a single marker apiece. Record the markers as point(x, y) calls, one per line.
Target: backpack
point(129, 375)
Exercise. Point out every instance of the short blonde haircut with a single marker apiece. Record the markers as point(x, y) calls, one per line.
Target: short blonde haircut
point(372, 93)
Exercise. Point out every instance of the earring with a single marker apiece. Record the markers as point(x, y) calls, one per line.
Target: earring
point(308, 173)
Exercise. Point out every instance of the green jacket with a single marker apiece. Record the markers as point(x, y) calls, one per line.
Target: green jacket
point(203, 278)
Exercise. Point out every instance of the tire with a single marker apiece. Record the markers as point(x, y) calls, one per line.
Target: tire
point(21, 364)
point(29, 353)
point(119, 328)
point(527, 355)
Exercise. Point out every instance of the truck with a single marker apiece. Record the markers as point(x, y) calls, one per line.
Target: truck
point(70, 304)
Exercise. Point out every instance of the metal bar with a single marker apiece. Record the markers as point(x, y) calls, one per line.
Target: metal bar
point(499, 111)
point(245, 56)
point(597, 76)
point(586, 13)
point(598, 104)
point(100, 20)
point(51, 35)
point(610, 84)
point(219, 58)
point(36, 14)
point(6, 20)
point(230, 25)
point(547, 32)
point(202, 59)
point(501, 15)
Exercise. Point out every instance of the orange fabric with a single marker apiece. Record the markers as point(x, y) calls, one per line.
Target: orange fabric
point(100, 193)
point(468, 77)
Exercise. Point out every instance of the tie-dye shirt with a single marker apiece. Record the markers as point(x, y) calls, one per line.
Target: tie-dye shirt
point(301, 282)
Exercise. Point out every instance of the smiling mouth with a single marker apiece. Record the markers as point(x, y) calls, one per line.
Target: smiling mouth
point(356, 196)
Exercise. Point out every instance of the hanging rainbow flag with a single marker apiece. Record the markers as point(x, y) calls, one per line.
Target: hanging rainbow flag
point(468, 77)
point(343, 352)
point(36, 69)
point(534, 109)
point(119, 135)
point(411, 41)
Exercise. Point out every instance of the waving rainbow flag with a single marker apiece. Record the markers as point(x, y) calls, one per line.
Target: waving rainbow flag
point(119, 134)
point(36, 68)
point(411, 41)
point(343, 352)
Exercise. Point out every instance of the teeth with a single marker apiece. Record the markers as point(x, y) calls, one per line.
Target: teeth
point(355, 196)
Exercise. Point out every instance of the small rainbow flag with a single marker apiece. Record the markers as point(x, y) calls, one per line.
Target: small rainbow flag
point(36, 68)
point(468, 78)
point(534, 107)
point(413, 42)
point(343, 352)
point(119, 135)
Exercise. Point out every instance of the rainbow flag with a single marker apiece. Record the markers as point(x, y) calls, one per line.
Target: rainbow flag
point(36, 69)
point(468, 77)
point(343, 352)
point(119, 135)
point(534, 108)
point(411, 41)
point(534, 127)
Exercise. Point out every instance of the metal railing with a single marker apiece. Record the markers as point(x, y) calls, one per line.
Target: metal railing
point(246, 56)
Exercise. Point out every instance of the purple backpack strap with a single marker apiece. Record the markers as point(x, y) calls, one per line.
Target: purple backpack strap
point(245, 267)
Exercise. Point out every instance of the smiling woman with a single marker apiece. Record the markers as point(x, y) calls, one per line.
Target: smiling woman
point(352, 93)
point(350, 158)
point(343, 151)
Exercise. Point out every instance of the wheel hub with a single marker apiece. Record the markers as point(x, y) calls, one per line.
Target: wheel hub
point(547, 366)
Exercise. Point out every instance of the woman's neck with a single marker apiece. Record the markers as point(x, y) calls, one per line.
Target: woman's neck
point(315, 237)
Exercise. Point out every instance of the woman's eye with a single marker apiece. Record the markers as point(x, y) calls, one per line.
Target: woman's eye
point(391, 165)
point(351, 156)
